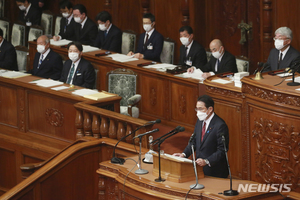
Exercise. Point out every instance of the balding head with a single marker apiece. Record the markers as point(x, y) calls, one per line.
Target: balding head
point(216, 46)
point(45, 41)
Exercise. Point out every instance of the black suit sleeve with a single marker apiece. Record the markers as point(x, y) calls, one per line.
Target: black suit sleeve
point(116, 42)
point(10, 59)
point(65, 72)
point(57, 68)
point(89, 77)
point(93, 34)
point(97, 42)
point(200, 58)
point(208, 66)
point(230, 65)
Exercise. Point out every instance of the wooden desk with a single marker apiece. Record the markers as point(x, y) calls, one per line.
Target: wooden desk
point(112, 178)
point(164, 96)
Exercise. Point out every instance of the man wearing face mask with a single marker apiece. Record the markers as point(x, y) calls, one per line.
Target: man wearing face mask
point(67, 23)
point(151, 42)
point(221, 60)
point(85, 29)
point(77, 70)
point(283, 55)
point(47, 63)
point(191, 52)
point(207, 142)
point(109, 36)
point(28, 14)
point(8, 56)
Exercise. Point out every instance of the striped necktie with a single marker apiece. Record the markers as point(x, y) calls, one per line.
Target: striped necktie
point(71, 74)
point(41, 60)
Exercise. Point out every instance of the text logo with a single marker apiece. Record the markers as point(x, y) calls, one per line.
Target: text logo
point(264, 187)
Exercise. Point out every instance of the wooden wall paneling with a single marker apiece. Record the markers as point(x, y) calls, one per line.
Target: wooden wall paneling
point(199, 21)
point(8, 105)
point(7, 168)
point(266, 29)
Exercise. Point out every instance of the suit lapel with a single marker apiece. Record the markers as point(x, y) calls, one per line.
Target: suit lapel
point(208, 130)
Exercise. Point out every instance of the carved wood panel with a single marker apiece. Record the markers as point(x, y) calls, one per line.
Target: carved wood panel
point(8, 106)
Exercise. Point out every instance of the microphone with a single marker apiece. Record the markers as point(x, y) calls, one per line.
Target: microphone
point(116, 160)
point(192, 137)
point(141, 135)
point(229, 192)
point(181, 129)
point(259, 64)
point(264, 66)
point(177, 128)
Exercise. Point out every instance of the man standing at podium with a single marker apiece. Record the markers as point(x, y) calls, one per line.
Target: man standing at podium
point(207, 142)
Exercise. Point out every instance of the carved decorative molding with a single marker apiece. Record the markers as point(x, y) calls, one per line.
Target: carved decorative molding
point(277, 152)
point(185, 10)
point(21, 95)
point(153, 96)
point(54, 117)
point(271, 95)
point(182, 104)
point(229, 16)
point(223, 92)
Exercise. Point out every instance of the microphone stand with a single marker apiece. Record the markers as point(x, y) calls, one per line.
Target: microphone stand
point(140, 170)
point(293, 83)
point(159, 179)
point(195, 186)
point(228, 192)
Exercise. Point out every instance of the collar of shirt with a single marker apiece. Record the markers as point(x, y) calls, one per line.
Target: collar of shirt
point(75, 70)
point(189, 47)
point(83, 22)
point(27, 9)
point(284, 52)
point(69, 19)
point(149, 33)
point(109, 28)
point(208, 121)
point(45, 54)
point(1, 42)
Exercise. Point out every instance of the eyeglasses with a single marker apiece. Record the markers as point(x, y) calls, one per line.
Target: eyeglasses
point(199, 109)
point(280, 39)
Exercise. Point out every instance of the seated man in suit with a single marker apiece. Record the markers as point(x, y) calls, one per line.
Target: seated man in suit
point(39, 4)
point(283, 55)
point(67, 23)
point(221, 61)
point(47, 63)
point(151, 42)
point(109, 36)
point(8, 56)
point(77, 70)
point(208, 143)
point(85, 29)
point(28, 14)
point(191, 52)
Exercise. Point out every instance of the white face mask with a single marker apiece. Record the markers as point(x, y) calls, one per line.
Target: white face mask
point(22, 7)
point(217, 54)
point(73, 56)
point(147, 27)
point(201, 115)
point(40, 48)
point(279, 44)
point(65, 15)
point(184, 40)
point(77, 19)
point(102, 27)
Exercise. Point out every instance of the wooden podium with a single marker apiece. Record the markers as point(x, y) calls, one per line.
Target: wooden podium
point(175, 170)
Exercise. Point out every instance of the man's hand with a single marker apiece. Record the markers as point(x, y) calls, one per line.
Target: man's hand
point(206, 74)
point(191, 70)
point(178, 155)
point(56, 38)
point(201, 162)
point(138, 55)
point(130, 53)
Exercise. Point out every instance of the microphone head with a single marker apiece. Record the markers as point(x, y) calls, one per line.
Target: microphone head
point(177, 128)
point(222, 134)
point(181, 129)
point(157, 121)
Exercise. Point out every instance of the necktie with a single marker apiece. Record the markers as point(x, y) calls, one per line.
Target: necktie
point(185, 55)
point(40, 61)
point(218, 65)
point(147, 37)
point(71, 74)
point(203, 130)
point(279, 61)
point(66, 25)
point(105, 34)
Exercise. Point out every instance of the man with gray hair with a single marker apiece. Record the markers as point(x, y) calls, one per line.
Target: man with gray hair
point(283, 55)
point(47, 63)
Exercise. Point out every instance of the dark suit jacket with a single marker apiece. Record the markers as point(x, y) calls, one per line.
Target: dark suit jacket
point(197, 54)
point(51, 66)
point(84, 76)
point(33, 15)
point(157, 41)
point(88, 34)
point(211, 148)
point(8, 56)
point(227, 64)
point(291, 56)
point(113, 40)
point(70, 29)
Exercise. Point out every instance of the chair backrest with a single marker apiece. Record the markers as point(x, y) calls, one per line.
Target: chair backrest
point(22, 57)
point(242, 63)
point(18, 34)
point(122, 82)
point(35, 32)
point(4, 25)
point(167, 54)
point(47, 20)
point(57, 25)
point(208, 54)
point(128, 41)
point(2, 8)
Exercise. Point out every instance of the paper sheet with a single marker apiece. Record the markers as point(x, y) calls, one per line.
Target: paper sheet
point(178, 158)
point(13, 74)
point(284, 74)
point(197, 74)
point(99, 95)
point(222, 81)
point(87, 48)
point(121, 57)
point(47, 83)
point(62, 42)
point(297, 79)
point(59, 88)
point(83, 92)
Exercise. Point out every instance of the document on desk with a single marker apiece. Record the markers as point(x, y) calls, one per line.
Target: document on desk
point(47, 82)
point(62, 42)
point(297, 79)
point(222, 81)
point(284, 74)
point(87, 48)
point(13, 74)
point(161, 67)
point(178, 158)
point(59, 88)
point(121, 57)
point(99, 95)
point(83, 92)
point(197, 74)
